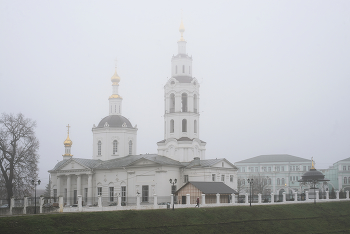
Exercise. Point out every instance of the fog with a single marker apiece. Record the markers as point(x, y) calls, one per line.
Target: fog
point(274, 75)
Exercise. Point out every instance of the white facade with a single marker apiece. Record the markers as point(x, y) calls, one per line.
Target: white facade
point(181, 119)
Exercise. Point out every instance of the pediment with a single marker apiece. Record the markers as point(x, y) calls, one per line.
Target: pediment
point(72, 165)
point(143, 162)
point(226, 163)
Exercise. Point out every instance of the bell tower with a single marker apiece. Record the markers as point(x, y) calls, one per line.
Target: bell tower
point(181, 119)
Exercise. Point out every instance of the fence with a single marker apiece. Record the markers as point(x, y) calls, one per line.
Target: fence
point(81, 204)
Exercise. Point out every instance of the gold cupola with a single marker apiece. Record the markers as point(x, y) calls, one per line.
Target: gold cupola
point(68, 142)
point(182, 30)
point(67, 145)
point(115, 78)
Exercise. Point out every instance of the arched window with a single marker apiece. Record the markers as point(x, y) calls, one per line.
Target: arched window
point(99, 148)
point(282, 181)
point(184, 125)
point(172, 126)
point(115, 146)
point(130, 147)
point(184, 102)
point(195, 109)
point(183, 68)
point(195, 126)
point(172, 103)
point(175, 69)
point(278, 181)
point(345, 180)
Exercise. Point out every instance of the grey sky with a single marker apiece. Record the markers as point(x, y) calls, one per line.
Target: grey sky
point(275, 75)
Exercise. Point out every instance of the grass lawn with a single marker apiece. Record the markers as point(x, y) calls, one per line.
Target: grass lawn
point(332, 217)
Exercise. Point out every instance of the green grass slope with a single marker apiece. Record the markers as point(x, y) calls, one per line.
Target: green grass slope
point(332, 217)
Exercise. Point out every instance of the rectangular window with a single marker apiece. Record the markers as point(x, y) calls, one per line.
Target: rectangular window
point(99, 191)
point(123, 194)
point(282, 168)
point(291, 178)
point(269, 169)
point(256, 169)
point(296, 178)
point(55, 195)
point(213, 177)
point(277, 168)
point(185, 178)
point(243, 169)
point(304, 168)
point(144, 193)
point(344, 168)
point(223, 178)
point(85, 195)
point(111, 194)
point(231, 178)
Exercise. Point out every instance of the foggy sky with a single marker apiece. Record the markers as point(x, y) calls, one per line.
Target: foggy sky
point(274, 75)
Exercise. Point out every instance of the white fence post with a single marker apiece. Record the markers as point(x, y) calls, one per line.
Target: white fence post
point(317, 195)
point(138, 201)
point(25, 204)
point(284, 196)
point(60, 202)
point(188, 197)
point(347, 194)
point(327, 195)
point(171, 199)
point(259, 198)
point(337, 193)
point(80, 201)
point(99, 201)
point(203, 199)
point(295, 196)
point(155, 202)
point(246, 198)
point(218, 198)
point(12, 204)
point(119, 200)
point(307, 195)
point(233, 198)
point(41, 203)
point(272, 198)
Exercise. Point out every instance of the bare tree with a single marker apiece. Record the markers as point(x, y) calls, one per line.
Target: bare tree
point(259, 182)
point(18, 154)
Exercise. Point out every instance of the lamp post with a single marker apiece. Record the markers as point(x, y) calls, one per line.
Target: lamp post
point(172, 189)
point(35, 182)
point(250, 181)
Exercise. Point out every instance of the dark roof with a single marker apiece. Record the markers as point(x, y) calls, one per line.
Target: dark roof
point(119, 162)
point(184, 79)
point(115, 121)
point(211, 187)
point(311, 175)
point(274, 158)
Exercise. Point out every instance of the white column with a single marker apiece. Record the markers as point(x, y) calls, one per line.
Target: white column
point(306, 195)
point(80, 203)
point(41, 202)
point(25, 205)
point(171, 199)
point(337, 193)
point(89, 198)
point(327, 195)
point(295, 196)
point(188, 197)
point(155, 202)
point(79, 185)
point(68, 190)
point(272, 198)
point(203, 199)
point(259, 198)
point(246, 198)
point(284, 196)
point(217, 198)
point(317, 196)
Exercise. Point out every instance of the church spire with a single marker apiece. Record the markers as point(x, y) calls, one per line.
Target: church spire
point(67, 145)
point(115, 100)
point(181, 43)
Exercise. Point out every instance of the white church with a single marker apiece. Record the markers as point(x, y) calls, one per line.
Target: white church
point(116, 170)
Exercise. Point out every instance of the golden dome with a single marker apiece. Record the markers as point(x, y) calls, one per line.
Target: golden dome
point(182, 30)
point(115, 78)
point(115, 96)
point(68, 142)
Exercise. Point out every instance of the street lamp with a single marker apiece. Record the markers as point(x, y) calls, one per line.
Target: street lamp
point(35, 182)
point(250, 181)
point(173, 189)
